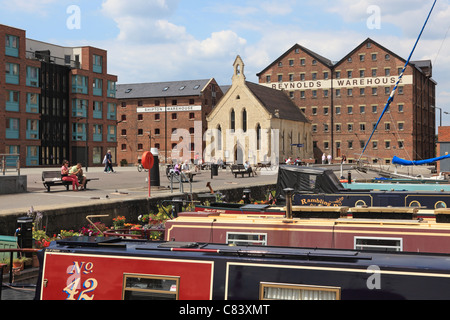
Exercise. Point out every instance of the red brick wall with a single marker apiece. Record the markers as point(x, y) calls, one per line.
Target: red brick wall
point(23, 62)
point(417, 135)
point(131, 152)
point(86, 70)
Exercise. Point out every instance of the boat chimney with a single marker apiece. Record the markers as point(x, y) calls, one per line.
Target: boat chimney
point(288, 195)
point(246, 196)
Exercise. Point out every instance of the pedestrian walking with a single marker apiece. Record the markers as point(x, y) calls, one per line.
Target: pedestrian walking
point(108, 162)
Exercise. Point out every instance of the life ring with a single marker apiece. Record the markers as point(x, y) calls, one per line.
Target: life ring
point(147, 160)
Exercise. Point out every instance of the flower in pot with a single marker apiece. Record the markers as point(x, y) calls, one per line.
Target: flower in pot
point(18, 263)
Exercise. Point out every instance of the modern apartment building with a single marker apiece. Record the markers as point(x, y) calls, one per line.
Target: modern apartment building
point(343, 100)
point(57, 102)
point(169, 116)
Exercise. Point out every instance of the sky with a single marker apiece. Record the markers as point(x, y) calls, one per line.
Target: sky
point(172, 40)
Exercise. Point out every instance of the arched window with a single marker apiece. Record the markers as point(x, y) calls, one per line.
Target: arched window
point(233, 120)
point(258, 137)
point(219, 137)
point(244, 120)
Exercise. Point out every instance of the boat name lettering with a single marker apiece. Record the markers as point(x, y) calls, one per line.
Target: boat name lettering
point(315, 201)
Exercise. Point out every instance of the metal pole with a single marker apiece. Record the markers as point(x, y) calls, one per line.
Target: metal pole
point(87, 139)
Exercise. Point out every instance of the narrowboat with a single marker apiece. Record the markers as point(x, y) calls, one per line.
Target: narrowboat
point(384, 228)
point(318, 186)
point(86, 268)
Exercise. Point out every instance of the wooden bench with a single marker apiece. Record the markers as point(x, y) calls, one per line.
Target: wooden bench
point(266, 165)
point(239, 169)
point(53, 179)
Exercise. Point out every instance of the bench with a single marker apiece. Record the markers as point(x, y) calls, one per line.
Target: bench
point(266, 165)
point(239, 169)
point(53, 179)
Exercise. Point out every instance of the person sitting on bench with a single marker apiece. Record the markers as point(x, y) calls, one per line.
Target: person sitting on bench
point(66, 176)
point(78, 172)
point(248, 168)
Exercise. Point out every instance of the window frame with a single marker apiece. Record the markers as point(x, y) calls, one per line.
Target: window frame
point(398, 247)
point(292, 286)
point(152, 277)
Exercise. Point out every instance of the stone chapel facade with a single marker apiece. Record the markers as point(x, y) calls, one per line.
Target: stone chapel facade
point(257, 124)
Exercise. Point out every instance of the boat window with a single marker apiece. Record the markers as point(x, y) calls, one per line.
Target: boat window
point(360, 203)
point(440, 205)
point(414, 204)
point(279, 291)
point(144, 287)
point(383, 244)
point(247, 239)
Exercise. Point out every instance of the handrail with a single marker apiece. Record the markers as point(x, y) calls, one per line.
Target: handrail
point(3, 157)
point(12, 251)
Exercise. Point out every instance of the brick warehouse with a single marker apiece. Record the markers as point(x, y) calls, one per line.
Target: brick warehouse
point(57, 102)
point(168, 116)
point(344, 100)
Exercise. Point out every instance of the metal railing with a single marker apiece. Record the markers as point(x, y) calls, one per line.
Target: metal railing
point(12, 270)
point(43, 56)
point(4, 162)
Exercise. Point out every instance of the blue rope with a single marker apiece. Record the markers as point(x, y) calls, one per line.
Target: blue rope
point(391, 97)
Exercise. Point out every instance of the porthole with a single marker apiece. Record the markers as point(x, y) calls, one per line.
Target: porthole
point(440, 205)
point(414, 204)
point(360, 203)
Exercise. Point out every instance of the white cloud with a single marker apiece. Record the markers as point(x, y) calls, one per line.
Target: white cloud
point(218, 45)
point(142, 20)
point(138, 29)
point(152, 48)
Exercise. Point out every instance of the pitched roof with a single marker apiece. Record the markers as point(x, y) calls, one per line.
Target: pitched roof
point(161, 89)
point(325, 61)
point(273, 100)
point(424, 66)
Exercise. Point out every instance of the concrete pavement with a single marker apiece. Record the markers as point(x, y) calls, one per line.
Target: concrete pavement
point(127, 183)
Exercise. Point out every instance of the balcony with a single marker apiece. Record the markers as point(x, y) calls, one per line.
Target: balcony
point(44, 56)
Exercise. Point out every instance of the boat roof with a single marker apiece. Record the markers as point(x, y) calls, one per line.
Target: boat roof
point(128, 249)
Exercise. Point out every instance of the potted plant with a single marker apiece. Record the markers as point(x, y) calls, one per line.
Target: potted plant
point(19, 262)
point(119, 222)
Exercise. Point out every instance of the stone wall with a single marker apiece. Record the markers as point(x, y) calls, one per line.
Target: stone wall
point(13, 184)
point(74, 218)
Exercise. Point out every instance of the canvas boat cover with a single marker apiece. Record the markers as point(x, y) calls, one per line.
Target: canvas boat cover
point(307, 180)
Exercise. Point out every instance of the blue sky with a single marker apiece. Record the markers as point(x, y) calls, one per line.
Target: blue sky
point(164, 40)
